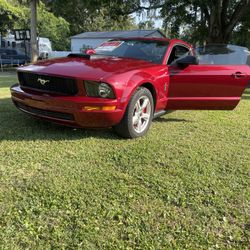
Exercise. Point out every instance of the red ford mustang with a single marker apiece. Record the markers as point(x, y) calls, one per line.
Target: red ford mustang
point(128, 82)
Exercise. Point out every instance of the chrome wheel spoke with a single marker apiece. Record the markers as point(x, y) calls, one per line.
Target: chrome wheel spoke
point(139, 125)
point(145, 103)
point(145, 116)
point(135, 120)
point(137, 106)
point(142, 113)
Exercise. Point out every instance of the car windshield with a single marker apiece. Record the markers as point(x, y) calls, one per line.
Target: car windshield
point(220, 54)
point(147, 50)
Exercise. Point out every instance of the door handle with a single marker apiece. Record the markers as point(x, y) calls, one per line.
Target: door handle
point(238, 75)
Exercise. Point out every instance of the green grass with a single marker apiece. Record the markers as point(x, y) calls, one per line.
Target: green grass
point(183, 186)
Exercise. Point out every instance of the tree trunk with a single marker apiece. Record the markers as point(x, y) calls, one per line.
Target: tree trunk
point(218, 35)
point(33, 29)
point(215, 33)
point(220, 30)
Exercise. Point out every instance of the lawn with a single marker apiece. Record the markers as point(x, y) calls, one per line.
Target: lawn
point(183, 186)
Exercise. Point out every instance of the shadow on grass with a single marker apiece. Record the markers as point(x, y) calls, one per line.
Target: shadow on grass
point(246, 94)
point(7, 84)
point(245, 97)
point(18, 126)
point(165, 119)
point(7, 79)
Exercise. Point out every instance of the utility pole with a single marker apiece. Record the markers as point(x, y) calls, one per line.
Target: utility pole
point(33, 30)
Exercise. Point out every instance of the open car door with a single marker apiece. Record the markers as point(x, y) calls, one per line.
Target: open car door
point(216, 82)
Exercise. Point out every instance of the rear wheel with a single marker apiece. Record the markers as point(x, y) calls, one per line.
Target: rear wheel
point(138, 116)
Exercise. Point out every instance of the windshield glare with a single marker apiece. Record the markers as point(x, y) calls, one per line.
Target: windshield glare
point(152, 51)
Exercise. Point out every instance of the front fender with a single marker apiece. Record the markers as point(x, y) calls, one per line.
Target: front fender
point(125, 84)
point(159, 80)
point(134, 82)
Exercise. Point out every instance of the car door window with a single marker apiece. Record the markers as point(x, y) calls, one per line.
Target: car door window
point(178, 52)
point(223, 54)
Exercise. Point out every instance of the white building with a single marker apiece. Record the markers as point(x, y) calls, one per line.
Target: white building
point(86, 40)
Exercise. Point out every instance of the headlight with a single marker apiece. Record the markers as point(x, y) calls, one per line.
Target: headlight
point(105, 90)
point(99, 89)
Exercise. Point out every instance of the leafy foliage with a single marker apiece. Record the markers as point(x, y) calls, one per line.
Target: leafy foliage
point(8, 15)
point(57, 20)
point(211, 21)
point(146, 25)
point(55, 28)
point(241, 34)
point(91, 15)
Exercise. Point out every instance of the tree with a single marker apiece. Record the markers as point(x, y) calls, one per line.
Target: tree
point(55, 28)
point(33, 26)
point(241, 34)
point(146, 25)
point(8, 15)
point(92, 15)
point(212, 21)
point(48, 25)
point(215, 20)
point(33, 30)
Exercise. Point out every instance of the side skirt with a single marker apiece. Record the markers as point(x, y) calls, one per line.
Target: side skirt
point(160, 113)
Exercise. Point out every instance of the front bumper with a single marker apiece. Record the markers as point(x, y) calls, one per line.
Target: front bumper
point(67, 110)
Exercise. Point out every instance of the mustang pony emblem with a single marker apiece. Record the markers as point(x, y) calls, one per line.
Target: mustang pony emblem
point(42, 81)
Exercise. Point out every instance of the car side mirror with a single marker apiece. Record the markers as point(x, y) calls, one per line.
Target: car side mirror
point(186, 61)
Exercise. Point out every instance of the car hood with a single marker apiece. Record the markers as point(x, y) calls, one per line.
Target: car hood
point(95, 68)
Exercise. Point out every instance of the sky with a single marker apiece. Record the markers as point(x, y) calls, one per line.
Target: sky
point(143, 17)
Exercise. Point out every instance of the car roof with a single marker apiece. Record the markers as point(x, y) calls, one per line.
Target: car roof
point(142, 38)
point(167, 40)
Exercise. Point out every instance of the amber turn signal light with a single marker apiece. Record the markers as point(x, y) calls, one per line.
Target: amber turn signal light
point(94, 108)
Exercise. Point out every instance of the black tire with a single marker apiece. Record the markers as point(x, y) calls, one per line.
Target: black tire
point(126, 128)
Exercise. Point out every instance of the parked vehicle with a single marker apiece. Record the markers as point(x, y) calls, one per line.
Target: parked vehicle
point(44, 47)
point(56, 54)
point(127, 83)
point(12, 57)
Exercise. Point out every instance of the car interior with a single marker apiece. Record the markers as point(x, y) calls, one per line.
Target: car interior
point(177, 52)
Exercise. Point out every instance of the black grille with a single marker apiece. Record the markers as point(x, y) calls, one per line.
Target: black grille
point(47, 113)
point(52, 84)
